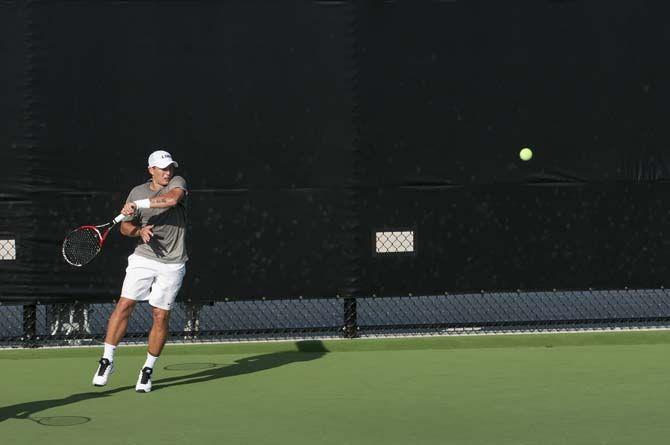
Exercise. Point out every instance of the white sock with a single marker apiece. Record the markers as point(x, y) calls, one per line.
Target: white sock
point(151, 361)
point(109, 352)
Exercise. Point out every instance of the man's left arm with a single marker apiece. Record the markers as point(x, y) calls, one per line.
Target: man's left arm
point(164, 201)
point(169, 199)
point(176, 191)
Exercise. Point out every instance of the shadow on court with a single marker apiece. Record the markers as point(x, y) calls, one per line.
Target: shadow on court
point(307, 351)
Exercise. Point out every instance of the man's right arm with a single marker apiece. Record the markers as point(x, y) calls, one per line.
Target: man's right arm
point(133, 230)
point(130, 228)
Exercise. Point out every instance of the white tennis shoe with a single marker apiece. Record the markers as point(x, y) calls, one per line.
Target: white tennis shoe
point(105, 368)
point(144, 380)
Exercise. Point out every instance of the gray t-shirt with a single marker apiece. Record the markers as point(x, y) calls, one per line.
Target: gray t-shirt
point(168, 245)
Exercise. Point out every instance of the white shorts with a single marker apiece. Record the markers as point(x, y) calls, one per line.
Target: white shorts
point(148, 279)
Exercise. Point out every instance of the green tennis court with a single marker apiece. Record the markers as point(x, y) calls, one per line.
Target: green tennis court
point(581, 388)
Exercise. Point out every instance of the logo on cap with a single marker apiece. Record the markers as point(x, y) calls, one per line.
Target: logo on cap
point(161, 159)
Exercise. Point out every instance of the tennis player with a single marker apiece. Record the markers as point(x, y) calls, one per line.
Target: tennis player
point(156, 215)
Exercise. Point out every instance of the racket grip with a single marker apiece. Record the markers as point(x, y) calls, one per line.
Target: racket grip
point(119, 218)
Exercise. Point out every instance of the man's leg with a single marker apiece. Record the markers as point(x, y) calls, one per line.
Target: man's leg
point(159, 331)
point(118, 321)
point(157, 338)
point(162, 297)
point(116, 329)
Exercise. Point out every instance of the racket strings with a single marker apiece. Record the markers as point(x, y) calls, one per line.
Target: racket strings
point(81, 246)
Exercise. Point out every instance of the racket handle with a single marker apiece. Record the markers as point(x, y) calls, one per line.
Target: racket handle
point(118, 219)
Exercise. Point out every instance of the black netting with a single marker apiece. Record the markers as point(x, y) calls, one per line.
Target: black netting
point(81, 246)
point(82, 323)
point(356, 160)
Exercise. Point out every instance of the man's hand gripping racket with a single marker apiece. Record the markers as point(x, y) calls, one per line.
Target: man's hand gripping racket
point(84, 243)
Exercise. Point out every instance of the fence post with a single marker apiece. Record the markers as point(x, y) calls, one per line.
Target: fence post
point(30, 325)
point(350, 328)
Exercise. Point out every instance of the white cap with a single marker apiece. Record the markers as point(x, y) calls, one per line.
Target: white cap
point(161, 159)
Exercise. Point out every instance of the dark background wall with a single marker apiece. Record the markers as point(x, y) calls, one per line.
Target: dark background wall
point(252, 98)
point(15, 146)
point(302, 127)
point(12, 52)
point(451, 91)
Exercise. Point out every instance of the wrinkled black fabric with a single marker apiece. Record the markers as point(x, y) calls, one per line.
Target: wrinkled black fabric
point(303, 129)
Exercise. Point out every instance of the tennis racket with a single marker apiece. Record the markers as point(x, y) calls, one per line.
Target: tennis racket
point(83, 243)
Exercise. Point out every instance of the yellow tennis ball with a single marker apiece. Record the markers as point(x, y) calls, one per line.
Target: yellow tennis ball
point(525, 154)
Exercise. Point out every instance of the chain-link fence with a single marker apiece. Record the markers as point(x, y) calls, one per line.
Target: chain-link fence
point(233, 320)
point(387, 242)
point(7, 249)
